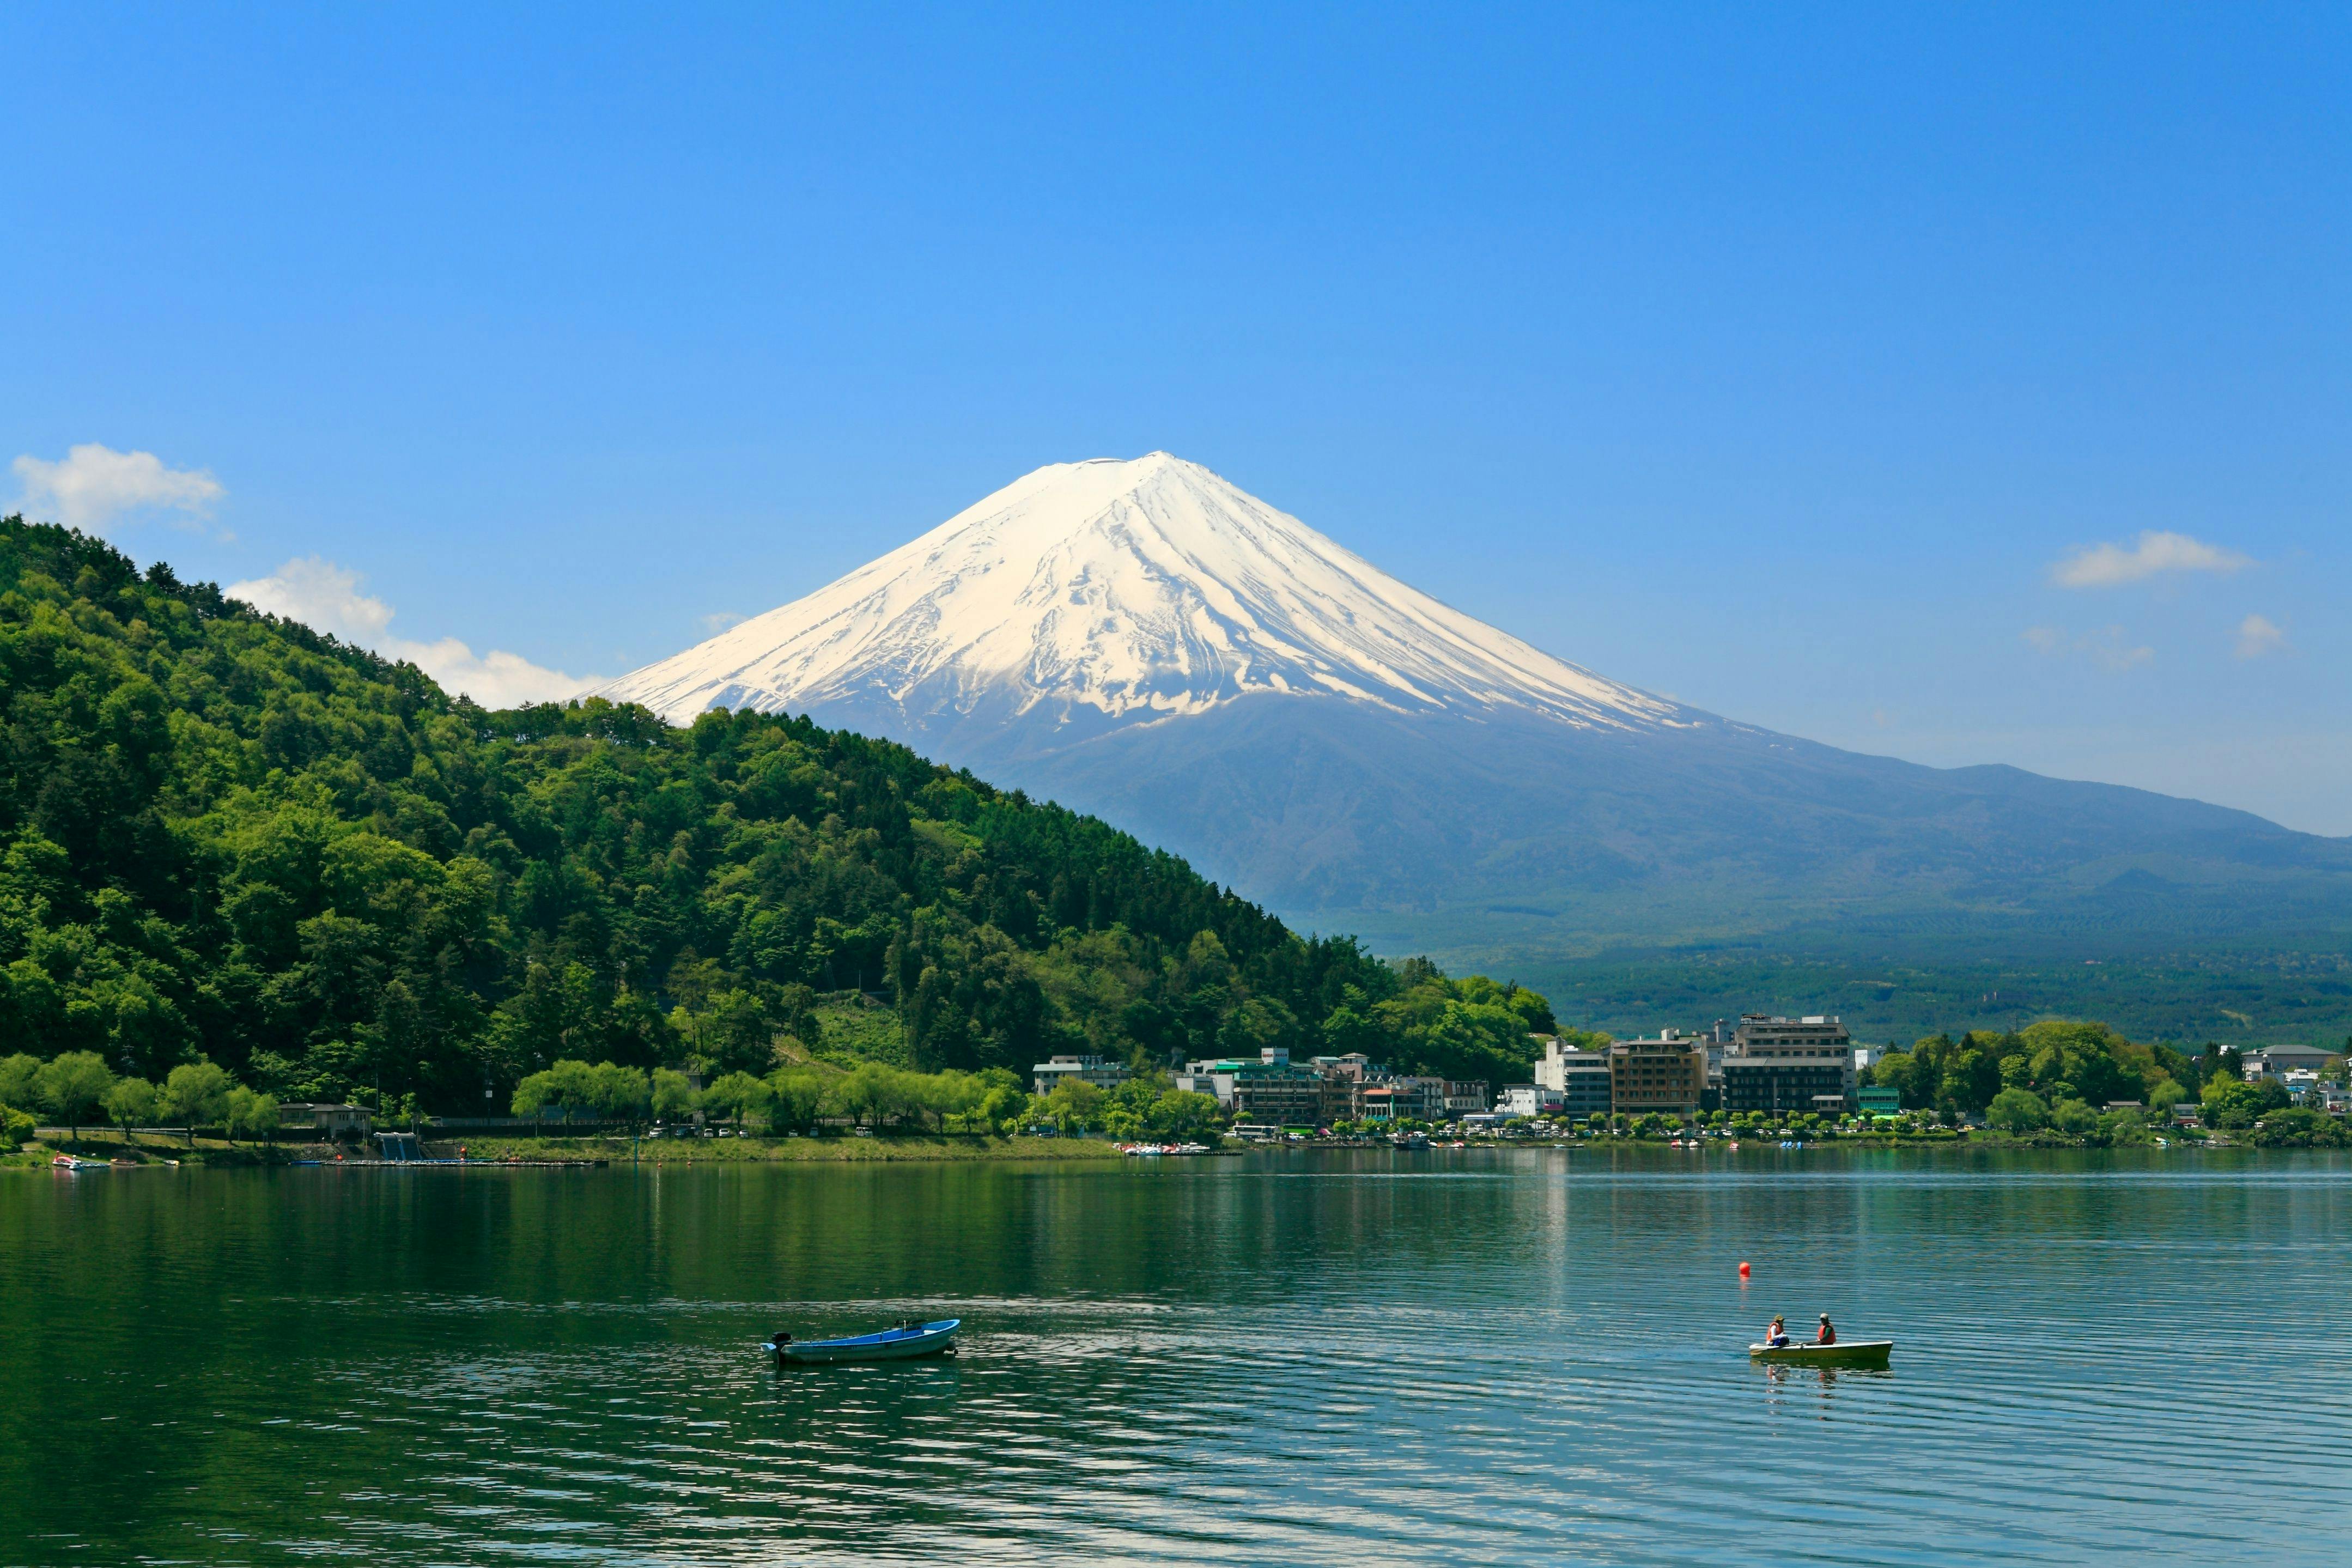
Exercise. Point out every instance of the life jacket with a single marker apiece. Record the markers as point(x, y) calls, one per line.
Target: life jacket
point(1829, 1336)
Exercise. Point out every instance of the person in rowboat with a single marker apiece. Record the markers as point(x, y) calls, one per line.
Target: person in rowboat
point(1827, 1336)
point(1778, 1335)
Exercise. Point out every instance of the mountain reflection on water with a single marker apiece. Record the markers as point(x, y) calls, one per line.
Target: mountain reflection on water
point(1441, 1357)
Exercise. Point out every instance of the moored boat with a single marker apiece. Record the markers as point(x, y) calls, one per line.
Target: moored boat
point(903, 1343)
point(1860, 1353)
point(76, 1163)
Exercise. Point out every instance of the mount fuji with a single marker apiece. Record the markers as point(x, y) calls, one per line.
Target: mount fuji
point(1145, 641)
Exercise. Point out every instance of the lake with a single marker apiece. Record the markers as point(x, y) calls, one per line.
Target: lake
point(1490, 1357)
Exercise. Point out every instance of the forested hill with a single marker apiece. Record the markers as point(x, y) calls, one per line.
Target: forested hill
point(228, 837)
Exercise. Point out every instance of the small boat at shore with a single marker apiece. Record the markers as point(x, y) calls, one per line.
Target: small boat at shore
point(76, 1163)
point(904, 1342)
point(1860, 1353)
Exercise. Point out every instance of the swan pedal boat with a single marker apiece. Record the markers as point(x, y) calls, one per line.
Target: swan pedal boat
point(891, 1344)
point(1855, 1353)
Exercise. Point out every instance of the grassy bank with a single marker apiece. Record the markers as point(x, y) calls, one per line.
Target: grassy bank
point(102, 1145)
point(742, 1151)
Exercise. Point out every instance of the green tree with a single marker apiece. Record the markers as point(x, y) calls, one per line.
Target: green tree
point(255, 1115)
point(2298, 1127)
point(673, 1096)
point(1073, 1107)
point(952, 1095)
point(2018, 1110)
point(1181, 1112)
point(2234, 1104)
point(799, 1095)
point(20, 1081)
point(2074, 1117)
point(196, 1094)
point(736, 1095)
point(622, 1093)
point(131, 1103)
point(2123, 1129)
point(567, 1084)
point(73, 1086)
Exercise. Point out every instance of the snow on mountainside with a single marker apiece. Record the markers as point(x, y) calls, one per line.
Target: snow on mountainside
point(1110, 592)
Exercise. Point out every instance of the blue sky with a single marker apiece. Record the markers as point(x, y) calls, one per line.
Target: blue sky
point(1776, 358)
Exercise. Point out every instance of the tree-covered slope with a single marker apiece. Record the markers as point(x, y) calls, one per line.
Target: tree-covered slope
point(224, 836)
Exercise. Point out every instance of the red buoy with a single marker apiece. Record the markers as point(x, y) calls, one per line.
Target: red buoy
point(1743, 1271)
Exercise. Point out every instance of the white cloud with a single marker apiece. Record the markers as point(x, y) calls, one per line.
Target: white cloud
point(2111, 566)
point(720, 620)
point(320, 595)
point(94, 484)
point(323, 595)
point(2258, 634)
point(2108, 648)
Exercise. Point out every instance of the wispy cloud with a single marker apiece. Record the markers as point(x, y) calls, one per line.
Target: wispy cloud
point(2112, 566)
point(93, 484)
point(319, 593)
point(2107, 647)
point(718, 621)
point(2258, 634)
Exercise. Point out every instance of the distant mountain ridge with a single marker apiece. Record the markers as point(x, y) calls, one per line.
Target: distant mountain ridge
point(1145, 641)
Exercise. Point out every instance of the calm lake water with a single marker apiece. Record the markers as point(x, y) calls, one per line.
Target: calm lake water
point(1484, 1357)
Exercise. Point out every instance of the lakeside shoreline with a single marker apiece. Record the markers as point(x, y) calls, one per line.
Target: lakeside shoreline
point(102, 1143)
point(960, 1149)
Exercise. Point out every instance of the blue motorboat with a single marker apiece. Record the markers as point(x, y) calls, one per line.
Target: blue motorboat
point(903, 1343)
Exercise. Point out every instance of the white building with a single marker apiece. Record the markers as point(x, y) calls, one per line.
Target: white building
point(1531, 1099)
point(1099, 1071)
point(1579, 1077)
point(2276, 1061)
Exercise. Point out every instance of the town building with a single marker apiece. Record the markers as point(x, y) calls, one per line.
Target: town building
point(2277, 1061)
point(1267, 1090)
point(1718, 1039)
point(1531, 1099)
point(1783, 1065)
point(1664, 1075)
point(1580, 1078)
point(1879, 1100)
point(1465, 1098)
point(1342, 1077)
point(1099, 1071)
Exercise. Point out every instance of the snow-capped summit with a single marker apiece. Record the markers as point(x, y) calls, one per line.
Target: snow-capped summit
point(1109, 592)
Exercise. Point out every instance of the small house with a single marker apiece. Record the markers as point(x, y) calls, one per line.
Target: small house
point(324, 1121)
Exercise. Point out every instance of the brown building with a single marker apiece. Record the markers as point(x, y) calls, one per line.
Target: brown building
point(1668, 1074)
